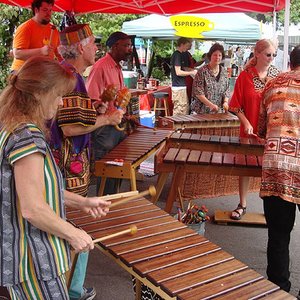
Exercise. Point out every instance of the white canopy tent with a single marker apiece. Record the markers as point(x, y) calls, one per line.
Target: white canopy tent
point(231, 27)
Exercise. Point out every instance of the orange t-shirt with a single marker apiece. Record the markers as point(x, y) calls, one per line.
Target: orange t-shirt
point(32, 35)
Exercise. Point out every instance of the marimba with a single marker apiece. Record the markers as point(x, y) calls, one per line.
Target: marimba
point(186, 152)
point(172, 259)
point(210, 124)
point(123, 161)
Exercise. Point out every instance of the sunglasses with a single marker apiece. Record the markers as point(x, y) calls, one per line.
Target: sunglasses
point(269, 55)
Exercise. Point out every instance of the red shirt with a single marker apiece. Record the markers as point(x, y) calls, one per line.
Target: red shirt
point(103, 73)
point(247, 95)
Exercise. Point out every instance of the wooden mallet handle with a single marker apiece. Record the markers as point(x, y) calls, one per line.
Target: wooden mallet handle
point(151, 191)
point(132, 230)
point(51, 34)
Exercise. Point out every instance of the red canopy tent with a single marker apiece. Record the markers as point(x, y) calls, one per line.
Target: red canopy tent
point(169, 7)
point(160, 6)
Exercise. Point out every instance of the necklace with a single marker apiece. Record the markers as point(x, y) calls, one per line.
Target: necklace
point(215, 71)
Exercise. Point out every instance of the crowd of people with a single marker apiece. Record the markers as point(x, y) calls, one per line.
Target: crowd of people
point(51, 118)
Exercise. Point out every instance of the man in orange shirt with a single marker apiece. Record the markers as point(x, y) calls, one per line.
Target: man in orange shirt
point(37, 36)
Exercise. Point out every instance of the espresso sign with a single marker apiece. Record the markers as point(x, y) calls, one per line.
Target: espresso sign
point(190, 26)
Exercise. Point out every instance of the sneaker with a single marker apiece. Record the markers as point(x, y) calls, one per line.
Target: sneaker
point(88, 294)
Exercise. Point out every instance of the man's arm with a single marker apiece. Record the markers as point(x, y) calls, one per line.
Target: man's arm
point(180, 72)
point(24, 54)
point(111, 118)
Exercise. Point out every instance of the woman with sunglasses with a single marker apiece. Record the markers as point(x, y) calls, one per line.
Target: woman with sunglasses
point(245, 103)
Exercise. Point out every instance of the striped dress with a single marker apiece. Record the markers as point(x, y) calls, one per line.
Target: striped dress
point(23, 246)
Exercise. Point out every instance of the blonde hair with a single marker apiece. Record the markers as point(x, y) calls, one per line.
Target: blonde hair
point(260, 46)
point(19, 103)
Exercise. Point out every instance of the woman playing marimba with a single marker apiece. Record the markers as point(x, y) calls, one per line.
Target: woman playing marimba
point(35, 238)
point(211, 86)
point(245, 103)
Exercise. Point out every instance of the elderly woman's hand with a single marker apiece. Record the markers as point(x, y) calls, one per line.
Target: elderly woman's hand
point(96, 207)
point(214, 108)
point(80, 241)
point(225, 106)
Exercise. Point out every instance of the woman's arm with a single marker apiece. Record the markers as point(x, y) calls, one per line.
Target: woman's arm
point(213, 107)
point(247, 126)
point(30, 190)
point(92, 205)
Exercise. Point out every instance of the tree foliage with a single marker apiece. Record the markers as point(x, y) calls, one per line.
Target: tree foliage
point(268, 18)
point(102, 25)
point(11, 17)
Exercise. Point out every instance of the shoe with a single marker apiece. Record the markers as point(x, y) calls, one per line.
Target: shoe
point(238, 212)
point(88, 294)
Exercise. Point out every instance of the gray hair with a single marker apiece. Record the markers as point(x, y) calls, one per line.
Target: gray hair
point(71, 51)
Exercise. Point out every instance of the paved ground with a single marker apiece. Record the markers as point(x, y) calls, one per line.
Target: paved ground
point(246, 243)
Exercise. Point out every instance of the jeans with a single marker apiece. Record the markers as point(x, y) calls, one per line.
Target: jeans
point(280, 217)
point(105, 139)
point(76, 287)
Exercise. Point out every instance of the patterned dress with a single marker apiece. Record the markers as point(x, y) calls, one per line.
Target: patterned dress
point(214, 88)
point(247, 95)
point(24, 247)
point(279, 123)
point(72, 154)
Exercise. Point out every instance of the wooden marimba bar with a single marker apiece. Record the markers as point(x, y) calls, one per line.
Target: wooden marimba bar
point(123, 161)
point(172, 259)
point(195, 153)
point(216, 143)
point(211, 124)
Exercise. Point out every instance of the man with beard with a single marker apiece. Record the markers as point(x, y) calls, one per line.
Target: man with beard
point(107, 71)
point(37, 36)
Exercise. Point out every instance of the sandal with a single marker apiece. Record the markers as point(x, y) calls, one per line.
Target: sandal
point(237, 211)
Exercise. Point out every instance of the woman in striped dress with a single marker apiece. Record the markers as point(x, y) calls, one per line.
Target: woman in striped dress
point(35, 238)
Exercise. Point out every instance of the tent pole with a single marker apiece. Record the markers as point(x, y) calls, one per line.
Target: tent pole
point(274, 23)
point(286, 34)
point(148, 55)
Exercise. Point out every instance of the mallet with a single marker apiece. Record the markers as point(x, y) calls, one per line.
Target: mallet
point(51, 34)
point(151, 191)
point(132, 230)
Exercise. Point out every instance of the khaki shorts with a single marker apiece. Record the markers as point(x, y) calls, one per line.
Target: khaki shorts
point(180, 101)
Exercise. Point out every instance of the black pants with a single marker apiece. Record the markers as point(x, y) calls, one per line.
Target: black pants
point(280, 217)
point(104, 139)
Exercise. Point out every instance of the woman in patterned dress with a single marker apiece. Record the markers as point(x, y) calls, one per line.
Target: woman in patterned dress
point(245, 102)
point(35, 237)
point(211, 86)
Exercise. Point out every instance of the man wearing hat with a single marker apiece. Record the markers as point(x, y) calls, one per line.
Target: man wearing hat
point(107, 71)
point(70, 132)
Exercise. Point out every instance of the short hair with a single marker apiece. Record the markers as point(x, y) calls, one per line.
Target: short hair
point(295, 57)
point(38, 3)
point(39, 75)
point(183, 40)
point(115, 37)
point(216, 47)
